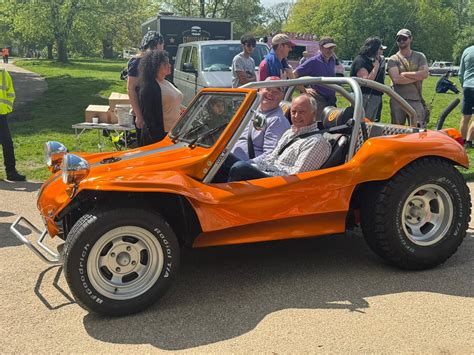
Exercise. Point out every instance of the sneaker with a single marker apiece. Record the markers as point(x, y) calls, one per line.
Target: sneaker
point(468, 144)
point(15, 176)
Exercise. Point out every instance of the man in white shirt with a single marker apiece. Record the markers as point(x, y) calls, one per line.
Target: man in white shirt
point(243, 65)
point(301, 148)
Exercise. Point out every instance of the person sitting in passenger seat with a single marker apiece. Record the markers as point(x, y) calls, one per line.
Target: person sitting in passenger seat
point(301, 148)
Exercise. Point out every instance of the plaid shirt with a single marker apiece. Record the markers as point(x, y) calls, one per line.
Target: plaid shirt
point(304, 154)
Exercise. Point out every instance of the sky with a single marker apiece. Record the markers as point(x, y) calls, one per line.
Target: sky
point(270, 2)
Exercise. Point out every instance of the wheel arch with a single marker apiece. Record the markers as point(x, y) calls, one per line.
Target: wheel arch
point(362, 187)
point(175, 209)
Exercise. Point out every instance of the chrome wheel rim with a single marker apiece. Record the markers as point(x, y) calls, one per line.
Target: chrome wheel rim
point(427, 214)
point(125, 262)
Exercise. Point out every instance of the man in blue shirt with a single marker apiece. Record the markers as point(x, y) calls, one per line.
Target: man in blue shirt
point(322, 64)
point(254, 144)
point(466, 77)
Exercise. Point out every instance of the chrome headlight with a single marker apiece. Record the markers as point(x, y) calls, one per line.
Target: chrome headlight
point(53, 154)
point(74, 169)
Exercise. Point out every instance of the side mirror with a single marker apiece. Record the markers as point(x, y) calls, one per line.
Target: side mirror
point(189, 68)
point(259, 121)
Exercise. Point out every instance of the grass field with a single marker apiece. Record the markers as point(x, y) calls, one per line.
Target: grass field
point(74, 86)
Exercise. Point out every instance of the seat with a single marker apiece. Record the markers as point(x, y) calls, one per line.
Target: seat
point(337, 122)
point(339, 148)
point(286, 108)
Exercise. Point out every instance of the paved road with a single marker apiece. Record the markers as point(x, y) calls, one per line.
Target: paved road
point(326, 295)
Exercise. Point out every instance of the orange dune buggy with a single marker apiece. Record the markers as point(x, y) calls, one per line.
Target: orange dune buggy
point(125, 215)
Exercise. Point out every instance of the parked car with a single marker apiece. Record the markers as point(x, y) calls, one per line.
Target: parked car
point(124, 216)
point(204, 64)
point(347, 64)
point(441, 68)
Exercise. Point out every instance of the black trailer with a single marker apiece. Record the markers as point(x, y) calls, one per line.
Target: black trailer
point(177, 30)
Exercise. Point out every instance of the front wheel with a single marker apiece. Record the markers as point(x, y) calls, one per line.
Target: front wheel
point(417, 219)
point(119, 262)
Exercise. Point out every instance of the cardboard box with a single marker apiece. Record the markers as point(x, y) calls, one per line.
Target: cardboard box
point(116, 98)
point(101, 111)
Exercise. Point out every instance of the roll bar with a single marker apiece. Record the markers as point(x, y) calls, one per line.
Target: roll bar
point(355, 98)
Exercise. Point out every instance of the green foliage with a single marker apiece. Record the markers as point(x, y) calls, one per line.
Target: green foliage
point(435, 24)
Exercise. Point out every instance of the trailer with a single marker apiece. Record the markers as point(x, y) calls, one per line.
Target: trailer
point(177, 30)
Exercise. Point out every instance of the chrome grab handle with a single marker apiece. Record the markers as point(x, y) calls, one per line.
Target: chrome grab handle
point(52, 258)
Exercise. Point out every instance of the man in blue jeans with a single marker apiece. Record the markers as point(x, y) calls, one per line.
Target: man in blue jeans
point(302, 148)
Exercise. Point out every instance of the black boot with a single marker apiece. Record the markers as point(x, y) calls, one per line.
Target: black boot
point(15, 176)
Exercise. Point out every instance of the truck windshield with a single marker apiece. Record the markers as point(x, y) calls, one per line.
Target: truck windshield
point(207, 118)
point(218, 57)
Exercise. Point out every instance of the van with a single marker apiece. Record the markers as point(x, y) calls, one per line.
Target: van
point(204, 64)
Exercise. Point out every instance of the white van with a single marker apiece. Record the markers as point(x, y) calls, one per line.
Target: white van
point(205, 64)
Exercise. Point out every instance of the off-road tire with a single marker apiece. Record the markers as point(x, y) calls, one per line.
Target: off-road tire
point(384, 209)
point(112, 238)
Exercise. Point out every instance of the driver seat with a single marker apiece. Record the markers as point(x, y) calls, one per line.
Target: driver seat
point(338, 123)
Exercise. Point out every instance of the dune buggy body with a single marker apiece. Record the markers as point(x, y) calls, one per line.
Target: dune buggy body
point(125, 219)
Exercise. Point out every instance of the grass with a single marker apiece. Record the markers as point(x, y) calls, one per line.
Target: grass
point(71, 88)
point(74, 86)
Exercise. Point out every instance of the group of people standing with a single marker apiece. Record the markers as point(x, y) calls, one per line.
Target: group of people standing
point(407, 70)
point(156, 101)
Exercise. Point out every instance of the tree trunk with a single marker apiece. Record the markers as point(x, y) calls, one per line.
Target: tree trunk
point(50, 51)
point(62, 51)
point(107, 49)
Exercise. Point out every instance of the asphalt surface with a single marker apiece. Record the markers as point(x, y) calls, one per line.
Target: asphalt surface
point(326, 295)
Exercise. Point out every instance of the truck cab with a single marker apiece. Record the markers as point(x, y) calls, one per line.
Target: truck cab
point(204, 64)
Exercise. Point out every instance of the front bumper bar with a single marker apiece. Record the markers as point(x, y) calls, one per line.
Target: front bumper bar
point(40, 249)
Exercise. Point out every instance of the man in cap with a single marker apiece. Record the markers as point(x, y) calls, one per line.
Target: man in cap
point(368, 65)
point(322, 64)
point(275, 62)
point(407, 69)
point(254, 144)
point(152, 40)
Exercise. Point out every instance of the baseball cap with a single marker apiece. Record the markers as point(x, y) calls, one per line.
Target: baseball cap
point(271, 78)
point(151, 36)
point(404, 32)
point(327, 42)
point(282, 38)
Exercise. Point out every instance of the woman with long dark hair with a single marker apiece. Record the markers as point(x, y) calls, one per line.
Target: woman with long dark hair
point(369, 64)
point(152, 40)
point(159, 100)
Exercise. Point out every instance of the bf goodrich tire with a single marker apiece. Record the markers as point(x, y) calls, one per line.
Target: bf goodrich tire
point(120, 261)
point(417, 219)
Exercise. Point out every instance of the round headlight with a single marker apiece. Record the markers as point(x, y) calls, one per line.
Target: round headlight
point(74, 168)
point(53, 153)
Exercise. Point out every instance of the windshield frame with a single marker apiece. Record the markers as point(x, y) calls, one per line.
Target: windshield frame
point(260, 47)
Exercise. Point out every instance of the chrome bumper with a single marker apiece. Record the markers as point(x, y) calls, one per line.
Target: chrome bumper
point(47, 255)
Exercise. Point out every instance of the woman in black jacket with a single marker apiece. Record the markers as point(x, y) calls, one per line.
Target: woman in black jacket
point(159, 100)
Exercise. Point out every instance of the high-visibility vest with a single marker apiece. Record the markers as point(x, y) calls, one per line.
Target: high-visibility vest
point(7, 93)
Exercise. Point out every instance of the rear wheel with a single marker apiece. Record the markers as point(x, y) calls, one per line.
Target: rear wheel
point(121, 261)
point(417, 219)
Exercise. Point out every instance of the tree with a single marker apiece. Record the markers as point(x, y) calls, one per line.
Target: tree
point(350, 22)
point(276, 16)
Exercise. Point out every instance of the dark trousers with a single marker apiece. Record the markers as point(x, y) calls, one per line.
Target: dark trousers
point(7, 145)
point(244, 171)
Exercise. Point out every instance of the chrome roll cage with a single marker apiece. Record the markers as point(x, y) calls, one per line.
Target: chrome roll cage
point(334, 83)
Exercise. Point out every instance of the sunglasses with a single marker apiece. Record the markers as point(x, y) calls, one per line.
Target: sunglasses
point(253, 45)
point(401, 39)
